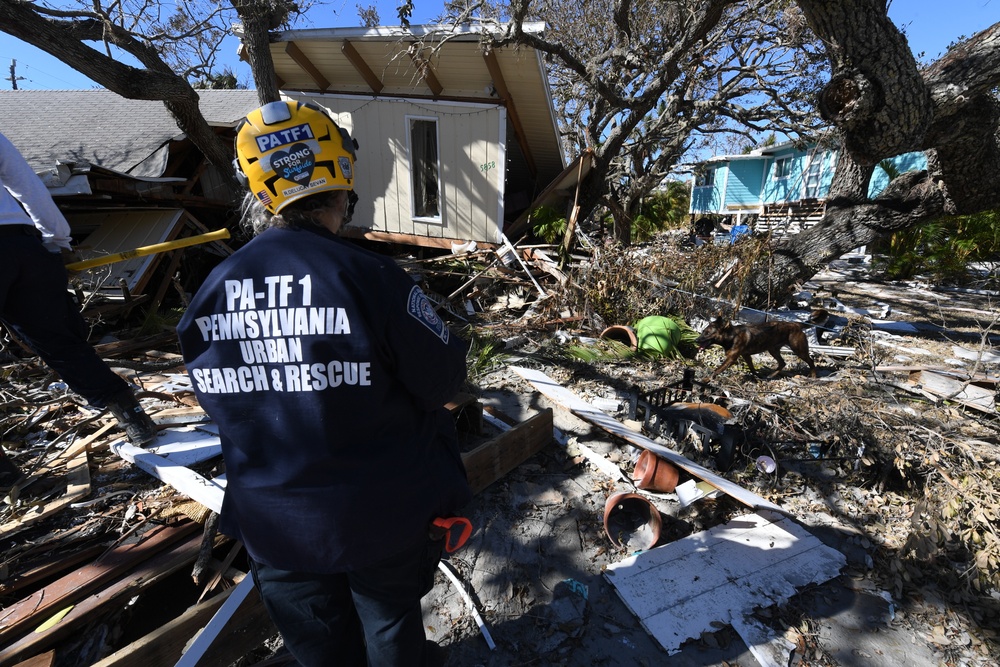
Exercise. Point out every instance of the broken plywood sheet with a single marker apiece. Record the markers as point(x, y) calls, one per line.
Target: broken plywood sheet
point(720, 575)
point(208, 492)
point(556, 392)
point(120, 231)
point(955, 389)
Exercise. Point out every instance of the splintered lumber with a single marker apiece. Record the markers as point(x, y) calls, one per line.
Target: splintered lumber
point(30, 612)
point(249, 626)
point(77, 486)
point(129, 584)
point(579, 407)
point(492, 460)
point(954, 389)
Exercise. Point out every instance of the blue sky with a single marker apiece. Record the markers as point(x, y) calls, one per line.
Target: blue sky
point(930, 25)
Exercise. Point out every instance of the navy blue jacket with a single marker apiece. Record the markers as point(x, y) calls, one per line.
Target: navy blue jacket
point(326, 369)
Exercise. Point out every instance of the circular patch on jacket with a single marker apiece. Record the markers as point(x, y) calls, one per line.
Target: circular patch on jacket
point(422, 310)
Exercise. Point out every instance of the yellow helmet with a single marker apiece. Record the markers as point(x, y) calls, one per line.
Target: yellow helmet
point(288, 150)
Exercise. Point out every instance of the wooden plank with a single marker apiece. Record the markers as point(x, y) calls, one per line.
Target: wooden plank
point(250, 626)
point(168, 558)
point(494, 459)
point(77, 486)
point(691, 585)
point(207, 637)
point(41, 604)
point(554, 391)
point(187, 446)
point(955, 390)
point(55, 563)
point(208, 492)
point(42, 660)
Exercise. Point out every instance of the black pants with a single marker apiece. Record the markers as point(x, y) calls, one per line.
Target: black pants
point(36, 305)
point(369, 616)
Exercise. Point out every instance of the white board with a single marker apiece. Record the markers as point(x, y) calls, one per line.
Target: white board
point(687, 587)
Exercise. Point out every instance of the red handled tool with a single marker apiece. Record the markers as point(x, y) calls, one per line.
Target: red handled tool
point(444, 525)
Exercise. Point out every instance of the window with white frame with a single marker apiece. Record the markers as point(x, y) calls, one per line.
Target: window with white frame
point(704, 178)
point(814, 176)
point(425, 168)
point(783, 167)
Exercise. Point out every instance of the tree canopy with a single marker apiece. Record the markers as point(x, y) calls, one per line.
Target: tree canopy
point(641, 84)
point(142, 51)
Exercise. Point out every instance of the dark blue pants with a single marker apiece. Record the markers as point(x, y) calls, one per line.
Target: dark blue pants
point(365, 617)
point(36, 305)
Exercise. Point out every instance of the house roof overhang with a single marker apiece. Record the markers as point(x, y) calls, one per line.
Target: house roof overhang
point(431, 62)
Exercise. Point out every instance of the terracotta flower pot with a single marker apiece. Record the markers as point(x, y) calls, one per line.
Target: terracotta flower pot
point(654, 473)
point(623, 334)
point(632, 522)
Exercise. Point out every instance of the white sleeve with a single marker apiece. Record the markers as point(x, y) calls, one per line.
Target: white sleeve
point(24, 185)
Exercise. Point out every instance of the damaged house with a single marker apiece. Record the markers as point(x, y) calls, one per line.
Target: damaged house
point(781, 188)
point(126, 177)
point(455, 143)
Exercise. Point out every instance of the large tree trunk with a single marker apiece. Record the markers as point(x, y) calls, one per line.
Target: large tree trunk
point(883, 106)
point(259, 17)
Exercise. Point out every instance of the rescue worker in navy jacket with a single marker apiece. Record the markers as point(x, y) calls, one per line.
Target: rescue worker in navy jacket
point(326, 369)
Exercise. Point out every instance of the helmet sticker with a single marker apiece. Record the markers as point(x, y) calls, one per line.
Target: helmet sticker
point(288, 150)
point(272, 140)
point(296, 164)
point(299, 188)
point(421, 309)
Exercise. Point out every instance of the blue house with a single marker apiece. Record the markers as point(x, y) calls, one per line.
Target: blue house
point(780, 189)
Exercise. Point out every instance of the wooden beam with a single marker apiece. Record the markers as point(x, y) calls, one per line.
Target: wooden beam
point(494, 459)
point(295, 53)
point(142, 564)
point(249, 626)
point(410, 239)
point(425, 70)
point(500, 84)
point(362, 67)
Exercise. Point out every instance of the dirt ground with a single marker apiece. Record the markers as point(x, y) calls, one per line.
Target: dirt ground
point(870, 462)
point(535, 565)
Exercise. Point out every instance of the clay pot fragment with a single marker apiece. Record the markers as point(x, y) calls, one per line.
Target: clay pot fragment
point(653, 473)
point(622, 334)
point(632, 522)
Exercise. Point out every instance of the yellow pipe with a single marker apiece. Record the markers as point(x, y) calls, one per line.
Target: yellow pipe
point(217, 235)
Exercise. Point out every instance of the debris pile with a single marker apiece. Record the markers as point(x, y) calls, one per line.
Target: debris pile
point(886, 464)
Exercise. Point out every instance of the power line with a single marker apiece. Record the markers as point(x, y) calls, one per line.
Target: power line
point(38, 73)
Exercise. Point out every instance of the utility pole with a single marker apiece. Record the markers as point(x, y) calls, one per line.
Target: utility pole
point(14, 78)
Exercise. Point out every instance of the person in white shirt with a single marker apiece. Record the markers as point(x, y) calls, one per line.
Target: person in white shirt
point(36, 306)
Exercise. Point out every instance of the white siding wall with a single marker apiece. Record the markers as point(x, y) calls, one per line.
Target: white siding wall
point(469, 137)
